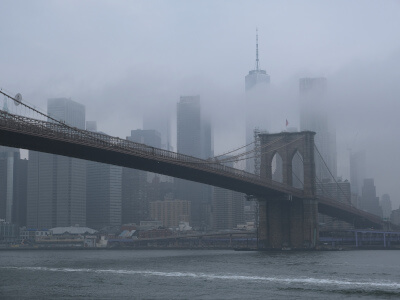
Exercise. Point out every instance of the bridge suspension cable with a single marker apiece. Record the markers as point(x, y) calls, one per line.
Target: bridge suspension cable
point(23, 109)
point(175, 157)
point(87, 133)
point(333, 177)
point(318, 180)
point(297, 177)
point(141, 149)
point(37, 111)
point(231, 151)
point(235, 157)
point(321, 185)
point(237, 149)
point(92, 135)
point(93, 139)
point(60, 133)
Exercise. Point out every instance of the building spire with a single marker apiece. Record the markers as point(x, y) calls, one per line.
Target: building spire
point(257, 61)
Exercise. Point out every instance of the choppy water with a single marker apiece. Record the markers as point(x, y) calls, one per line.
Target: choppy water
point(199, 274)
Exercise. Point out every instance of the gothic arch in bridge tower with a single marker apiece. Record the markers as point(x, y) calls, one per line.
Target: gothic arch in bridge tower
point(292, 148)
point(286, 221)
point(276, 167)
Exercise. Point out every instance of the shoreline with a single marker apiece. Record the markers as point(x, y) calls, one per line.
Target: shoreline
point(344, 248)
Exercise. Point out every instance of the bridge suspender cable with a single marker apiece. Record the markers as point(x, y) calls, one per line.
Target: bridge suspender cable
point(236, 160)
point(316, 177)
point(325, 193)
point(319, 180)
point(100, 140)
point(87, 133)
point(235, 157)
point(124, 145)
point(94, 136)
point(36, 111)
point(334, 179)
point(226, 153)
point(84, 132)
point(302, 183)
point(63, 132)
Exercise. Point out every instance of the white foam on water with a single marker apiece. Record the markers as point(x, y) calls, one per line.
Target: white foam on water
point(284, 280)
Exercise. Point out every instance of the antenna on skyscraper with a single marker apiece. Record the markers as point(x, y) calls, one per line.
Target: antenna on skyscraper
point(257, 49)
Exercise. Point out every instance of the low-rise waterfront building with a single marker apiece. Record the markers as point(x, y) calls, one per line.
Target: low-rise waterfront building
point(170, 212)
point(8, 232)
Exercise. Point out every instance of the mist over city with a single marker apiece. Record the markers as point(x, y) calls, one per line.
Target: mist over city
point(123, 60)
point(131, 64)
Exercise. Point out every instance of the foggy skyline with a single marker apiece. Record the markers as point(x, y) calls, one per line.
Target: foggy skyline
point(122, 59)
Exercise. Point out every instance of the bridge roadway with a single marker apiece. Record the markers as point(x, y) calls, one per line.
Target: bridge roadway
point(50, 137)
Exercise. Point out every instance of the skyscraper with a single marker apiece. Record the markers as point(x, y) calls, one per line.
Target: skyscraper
point(227, 206)
point(149, 137)
point(256, 85)
point(103, 195)
point(336, 190)
point(386, 205)
point(257, 76)
point(57, 184)
point(189, 126)
point(194, 138)
point(369, 200)
point(357, 171)
point(314, 117)
point(341, 192)
point(68, 111)
point(135, 203)
point(134, 196)
point(159, 120)
point(103, 192)
point(7, 158)
point(12, 186)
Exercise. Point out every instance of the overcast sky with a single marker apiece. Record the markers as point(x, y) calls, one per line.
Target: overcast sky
point(124, 59)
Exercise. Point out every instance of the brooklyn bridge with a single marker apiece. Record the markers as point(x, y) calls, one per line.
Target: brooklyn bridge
point(288, 215)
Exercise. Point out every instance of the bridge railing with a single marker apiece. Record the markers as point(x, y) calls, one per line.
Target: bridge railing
point(348, 207)
point(65, 132)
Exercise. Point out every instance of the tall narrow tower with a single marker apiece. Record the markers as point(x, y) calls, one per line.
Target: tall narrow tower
point(314, 117)
point(12, 192)
point(194, 138)
point(189, 126)
point(57, 184)
point(257, 76)
point(256, 85)
point(358, 171)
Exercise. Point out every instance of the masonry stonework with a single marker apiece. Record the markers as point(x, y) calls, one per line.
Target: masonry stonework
point(286, 221)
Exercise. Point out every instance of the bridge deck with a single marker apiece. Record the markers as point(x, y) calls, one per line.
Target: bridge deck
point(27, 133)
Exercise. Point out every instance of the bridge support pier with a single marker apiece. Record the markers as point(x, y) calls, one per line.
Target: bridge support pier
point(288, 224)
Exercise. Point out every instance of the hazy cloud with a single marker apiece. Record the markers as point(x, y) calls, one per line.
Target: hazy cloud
point(128, 59)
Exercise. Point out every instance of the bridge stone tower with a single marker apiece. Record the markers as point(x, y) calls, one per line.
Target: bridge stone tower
point(286, 221)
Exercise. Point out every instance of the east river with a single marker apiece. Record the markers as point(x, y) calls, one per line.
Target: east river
point(199, 274)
